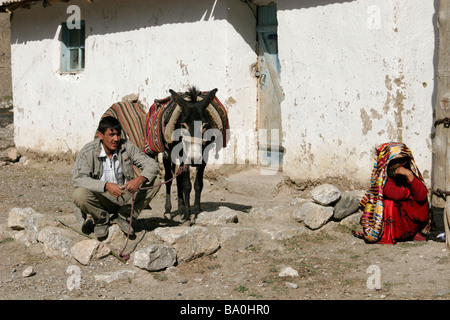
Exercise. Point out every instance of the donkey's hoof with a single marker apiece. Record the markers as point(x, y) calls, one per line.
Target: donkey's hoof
point(167, 215)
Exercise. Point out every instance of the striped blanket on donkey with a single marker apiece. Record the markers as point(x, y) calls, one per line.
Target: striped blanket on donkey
point(132, 117)
point(162, 117)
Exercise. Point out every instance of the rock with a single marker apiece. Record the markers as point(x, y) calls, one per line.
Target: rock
point(23, 160)
point(115, 236)
point(23, 218)
point(221, 216)
point(273, 214)
point(10, 155)
point(239, 238)
point(295, 201)
point(189, 242)
point(352, 220)
point(114, 276)
point(291, 285)
point(313, 215)
point(284, 233)
point(325, 194)
point(86, 250)
point(348, 204)
point(155, 257)
point(25, 238)
point(28, 272)
point(46, 233)
point(29, 222)
point(288, 272)
point(55, 244)
point(5, 232)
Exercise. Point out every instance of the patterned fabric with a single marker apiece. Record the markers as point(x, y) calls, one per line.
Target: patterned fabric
point(132, 117)
point(156, 120)
point(372, 202)
point(159, 115)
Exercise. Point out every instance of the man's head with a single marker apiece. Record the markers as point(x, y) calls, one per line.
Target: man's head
point(109, 123)
point(109, 131)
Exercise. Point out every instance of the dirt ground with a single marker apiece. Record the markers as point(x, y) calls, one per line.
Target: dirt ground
point(331, 263)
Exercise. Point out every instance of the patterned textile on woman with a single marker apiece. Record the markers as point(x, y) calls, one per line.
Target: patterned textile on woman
point(396, 206)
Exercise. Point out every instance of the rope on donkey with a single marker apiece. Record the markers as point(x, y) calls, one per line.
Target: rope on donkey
point(127, 255)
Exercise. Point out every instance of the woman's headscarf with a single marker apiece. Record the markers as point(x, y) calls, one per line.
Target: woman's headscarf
point(372, 202)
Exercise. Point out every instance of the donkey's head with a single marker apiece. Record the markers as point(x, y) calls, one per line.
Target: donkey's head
point(193, 121)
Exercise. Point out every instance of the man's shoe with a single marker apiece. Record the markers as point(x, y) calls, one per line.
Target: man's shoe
point(125, 226)
point(101, 230)
point(88, 226)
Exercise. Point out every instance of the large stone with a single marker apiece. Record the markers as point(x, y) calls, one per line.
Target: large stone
point(29, 222)
point(352, 220)
point(325, 194)
point(24, 218)
point(56, 245)
point(85, 250)
point(348, 204)
point(189, 242)
point(313, 215)
point(239, 238)
point(10, 155)
point(115, 276)
point(155, 257)
point(222, 216)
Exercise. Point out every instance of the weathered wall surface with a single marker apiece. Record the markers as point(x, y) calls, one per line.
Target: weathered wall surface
point(355, 74)
point(147, 48)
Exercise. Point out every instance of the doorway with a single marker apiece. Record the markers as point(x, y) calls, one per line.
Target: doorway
point(270, 94)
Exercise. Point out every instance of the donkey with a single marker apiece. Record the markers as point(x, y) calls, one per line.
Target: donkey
point(188, 149)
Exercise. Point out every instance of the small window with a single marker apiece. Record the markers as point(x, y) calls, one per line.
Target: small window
point(72, 48)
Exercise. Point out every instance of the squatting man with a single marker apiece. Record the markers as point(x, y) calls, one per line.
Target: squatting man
point(105, 179)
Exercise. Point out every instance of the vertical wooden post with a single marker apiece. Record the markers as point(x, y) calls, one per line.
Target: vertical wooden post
point(441, 142)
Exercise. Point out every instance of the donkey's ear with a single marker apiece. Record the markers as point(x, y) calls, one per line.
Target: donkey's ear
point(209, 98)
point(177, 98)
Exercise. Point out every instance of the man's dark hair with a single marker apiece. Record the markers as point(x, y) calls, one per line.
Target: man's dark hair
point(109, 123)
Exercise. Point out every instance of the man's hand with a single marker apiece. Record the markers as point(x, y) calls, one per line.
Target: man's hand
point(133, 185)
point(114, 189)
point(405, 172)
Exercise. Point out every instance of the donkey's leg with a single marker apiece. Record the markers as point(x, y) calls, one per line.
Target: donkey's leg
point(198, 187)
point(184, 187)
point(167, 176)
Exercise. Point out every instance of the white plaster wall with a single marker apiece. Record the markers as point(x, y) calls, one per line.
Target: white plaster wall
point(355, 74)
point(146, 47)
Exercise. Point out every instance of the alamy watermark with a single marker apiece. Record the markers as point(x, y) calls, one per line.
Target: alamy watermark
point(243, 146)
point(374, 19)
point(74, 20)
point(374, 280)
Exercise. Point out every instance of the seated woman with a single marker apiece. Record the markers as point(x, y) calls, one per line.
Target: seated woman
point(396, 206)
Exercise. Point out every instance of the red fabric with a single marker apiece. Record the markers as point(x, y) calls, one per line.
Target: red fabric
point(405, 210)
